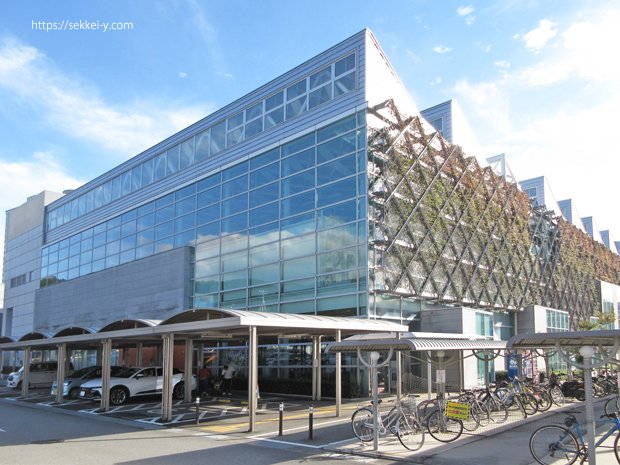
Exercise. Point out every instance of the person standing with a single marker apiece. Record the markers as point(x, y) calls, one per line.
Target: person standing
point(203, 380)
point(227, 374)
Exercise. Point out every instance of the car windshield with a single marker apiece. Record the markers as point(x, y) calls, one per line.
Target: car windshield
point(126, 372)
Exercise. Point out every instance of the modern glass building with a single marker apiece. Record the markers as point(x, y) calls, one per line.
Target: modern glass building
point(322, 192)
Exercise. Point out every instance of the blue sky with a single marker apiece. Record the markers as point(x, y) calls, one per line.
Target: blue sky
point(537, 80)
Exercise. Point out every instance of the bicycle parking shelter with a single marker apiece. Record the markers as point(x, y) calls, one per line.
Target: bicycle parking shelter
point(198, 325)
point(439, 343)
point(587, 343)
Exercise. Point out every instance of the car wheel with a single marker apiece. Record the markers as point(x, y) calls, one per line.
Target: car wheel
point(74, 393)
point(178, 392)
point(118, 395)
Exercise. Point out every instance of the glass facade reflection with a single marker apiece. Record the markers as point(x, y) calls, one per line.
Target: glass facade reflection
point(332, 81)
point(284, 230)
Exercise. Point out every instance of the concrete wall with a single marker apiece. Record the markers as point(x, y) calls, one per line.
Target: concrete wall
point(155, 287)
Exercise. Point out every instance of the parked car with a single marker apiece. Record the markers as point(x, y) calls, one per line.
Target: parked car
point(134, 382)
point(42, 374)
point(73, 382)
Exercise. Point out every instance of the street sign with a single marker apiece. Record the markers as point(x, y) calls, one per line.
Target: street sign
point(457, 410)
point(440, 376)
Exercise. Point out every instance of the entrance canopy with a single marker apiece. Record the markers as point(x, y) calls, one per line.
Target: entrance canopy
point(414, 341)
point(208, 324)
point(566, 339)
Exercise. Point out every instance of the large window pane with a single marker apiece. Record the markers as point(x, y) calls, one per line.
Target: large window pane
point(253, 128)
point(337, 238)
point(339, 127)
point(235, 205)
point(265, 158)
point(299, 267)
point(338, 260)
point(298, 289)
point(264, 254)
point(321, 77)
point(173, 160)
point(218, 138)
point(235, 186)
point(187, 153)
point(202, 146)
point(336, 214)
point(264, 194)
point(298, 162)
point(265, 233)
point(147, 173)
point(235, 223)
point(264, 175)
point(340, 168)
point(337, 283)
point(297, 183)
point(298, 246)
point(318, 96)
point(264, 214)
point(208, 214)
point(265, 274)
point(159, 170)
point(235, 280)
point(209, 196)
point(345, 64)
point(336, 192)
point(274, 118)
point(296, 107)
point(298, 144)
point(344, 84)
point(234, 261)
point(274, 101)
point(297, 204)
point(336, 147)
point(297, 225)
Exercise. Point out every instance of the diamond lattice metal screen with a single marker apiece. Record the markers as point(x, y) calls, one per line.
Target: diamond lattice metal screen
point(446, 229)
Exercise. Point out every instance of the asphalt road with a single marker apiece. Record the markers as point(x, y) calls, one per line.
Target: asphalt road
point(34, 435)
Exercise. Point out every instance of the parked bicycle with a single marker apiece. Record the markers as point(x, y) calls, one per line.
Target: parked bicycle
point(432, 414)
point(401, 421)
point(513, 396)
point(557, 445)
point(497, 409)
point(479, 413)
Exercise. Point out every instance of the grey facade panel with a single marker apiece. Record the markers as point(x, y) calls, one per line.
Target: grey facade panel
point(155, 287)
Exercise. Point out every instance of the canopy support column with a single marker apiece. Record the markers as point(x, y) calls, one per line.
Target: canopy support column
point(338, 375)
point(167, 358)
point(106, 362)
point(139, 347)
point(26, 373)
point(252, 378)
point(187, 370)
point(60, 372)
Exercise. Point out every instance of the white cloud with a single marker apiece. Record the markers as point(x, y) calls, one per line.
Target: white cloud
point(502, 64)
point(586, 51)
point(76, 109)
point(464, 10)
point(441, 49)
point(182, 74)
point(416, 59)
point(469, 20)
point(537, 38)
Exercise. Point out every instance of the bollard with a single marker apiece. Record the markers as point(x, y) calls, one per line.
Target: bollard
point(310, 422)
point(197, 410)
point(281, 418)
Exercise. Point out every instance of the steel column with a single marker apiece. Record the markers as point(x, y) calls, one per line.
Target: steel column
point(26, 373)
point(338, 375)
point(60, 372)
point(189, 354)
point(106, 362)
point(167, 358)
point(252, 378)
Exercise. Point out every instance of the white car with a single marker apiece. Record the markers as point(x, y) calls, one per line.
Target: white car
point(135, 381)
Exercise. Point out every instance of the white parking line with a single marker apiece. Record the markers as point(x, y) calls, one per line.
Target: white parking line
point(2, 431)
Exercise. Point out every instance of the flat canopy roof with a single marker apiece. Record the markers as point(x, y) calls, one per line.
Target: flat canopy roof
point(208, 324)
point(606, 337)
point(414, 341)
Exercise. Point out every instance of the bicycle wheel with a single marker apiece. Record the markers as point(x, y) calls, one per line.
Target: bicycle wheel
point(442, 428)
point(616, 446)
point(473, 421)
point(392, 420)
point(410, 432)
point(362, 424)
point(554, 445)
point(498, 411)
point(612, 405)
point(517, 404)
point(544, 400)
point(505, 397)
point(483, 412)
point(530, 404)
point(557, 395)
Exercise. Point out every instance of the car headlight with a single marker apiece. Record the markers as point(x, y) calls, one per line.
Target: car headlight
point(66, 383)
